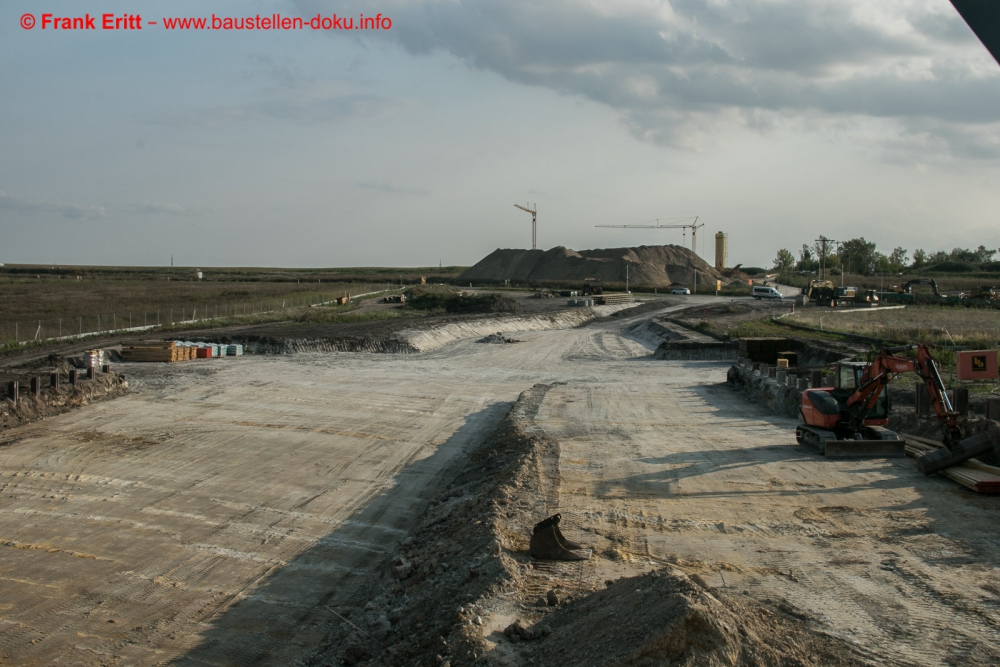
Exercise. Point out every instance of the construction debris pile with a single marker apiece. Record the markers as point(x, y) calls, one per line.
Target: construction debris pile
point(652, 266)
point(498, 338)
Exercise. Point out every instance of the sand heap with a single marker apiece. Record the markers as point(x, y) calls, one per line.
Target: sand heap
point(652, 266)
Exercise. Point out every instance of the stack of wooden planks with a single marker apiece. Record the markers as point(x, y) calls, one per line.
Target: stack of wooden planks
point(973, 474)
point(157, 351)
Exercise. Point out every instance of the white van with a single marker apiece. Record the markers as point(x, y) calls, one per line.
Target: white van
point(761, 292)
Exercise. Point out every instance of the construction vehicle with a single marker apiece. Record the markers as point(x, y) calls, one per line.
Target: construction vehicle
point(869, 297)
point(905, 288)
point(985, 292)
point(822, 292)
point(825, 293)
point(592, 286)
point(849, 419)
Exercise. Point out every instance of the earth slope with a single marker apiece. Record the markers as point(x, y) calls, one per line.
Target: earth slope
point(653, 266)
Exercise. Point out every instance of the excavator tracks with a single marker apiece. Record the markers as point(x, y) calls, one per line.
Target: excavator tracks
point(825, 443)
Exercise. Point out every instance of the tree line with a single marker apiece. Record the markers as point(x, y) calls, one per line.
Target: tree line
point(862, 257)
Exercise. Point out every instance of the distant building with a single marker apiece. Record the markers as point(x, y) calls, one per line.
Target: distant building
point(721, 251)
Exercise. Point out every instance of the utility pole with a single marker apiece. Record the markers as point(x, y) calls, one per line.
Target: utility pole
point(822, 241)
point(534, 222)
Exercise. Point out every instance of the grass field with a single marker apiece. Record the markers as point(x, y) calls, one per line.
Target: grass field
point(914, 324)
point(46, 302)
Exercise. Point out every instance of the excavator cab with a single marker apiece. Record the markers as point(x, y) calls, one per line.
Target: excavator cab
point(825, 422)
point(846, 379)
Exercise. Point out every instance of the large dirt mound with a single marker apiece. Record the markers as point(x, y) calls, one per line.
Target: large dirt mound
point(664, 618)
point(652, 266)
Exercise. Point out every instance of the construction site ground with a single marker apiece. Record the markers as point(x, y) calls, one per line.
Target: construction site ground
point(238, 511)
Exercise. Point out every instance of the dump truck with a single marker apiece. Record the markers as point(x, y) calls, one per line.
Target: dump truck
point(592, 286)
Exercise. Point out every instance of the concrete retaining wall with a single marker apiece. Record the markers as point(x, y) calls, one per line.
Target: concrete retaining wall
point(695, 350)
point(759, 388)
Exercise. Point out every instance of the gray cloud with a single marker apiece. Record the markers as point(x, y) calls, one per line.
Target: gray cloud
point(389, 187)
point(680, 70)
point(308, 108)
point(157, 208)
point(9, 202)
point(15, 204)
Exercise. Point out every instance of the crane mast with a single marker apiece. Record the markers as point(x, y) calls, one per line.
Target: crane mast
point(534, 222)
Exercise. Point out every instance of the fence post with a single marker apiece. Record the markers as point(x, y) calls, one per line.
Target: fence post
point(72, 377)
point(60, 327)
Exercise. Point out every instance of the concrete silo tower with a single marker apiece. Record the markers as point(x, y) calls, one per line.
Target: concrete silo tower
point(721, 250)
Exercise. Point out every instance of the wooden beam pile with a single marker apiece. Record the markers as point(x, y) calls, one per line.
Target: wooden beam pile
point(157, 352)
point(973, 474)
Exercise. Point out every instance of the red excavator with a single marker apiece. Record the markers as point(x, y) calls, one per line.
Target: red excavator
point(849, 418)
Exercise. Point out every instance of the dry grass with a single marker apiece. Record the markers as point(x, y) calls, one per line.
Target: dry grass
point(913, 324)
point(48, 301)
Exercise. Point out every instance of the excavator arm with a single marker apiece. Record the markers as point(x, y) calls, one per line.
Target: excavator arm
point(880, 370)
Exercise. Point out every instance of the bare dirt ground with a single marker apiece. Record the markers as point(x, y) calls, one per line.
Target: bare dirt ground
point(235, 512)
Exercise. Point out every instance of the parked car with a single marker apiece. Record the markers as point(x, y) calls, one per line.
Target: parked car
point(760, 292)
point(681, 290)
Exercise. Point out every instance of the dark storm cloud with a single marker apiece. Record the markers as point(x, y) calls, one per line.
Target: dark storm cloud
point(676, 69)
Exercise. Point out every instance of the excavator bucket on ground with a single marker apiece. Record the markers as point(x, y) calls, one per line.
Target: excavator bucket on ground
point(548, 542)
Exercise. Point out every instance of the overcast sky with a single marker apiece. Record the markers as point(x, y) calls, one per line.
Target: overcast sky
point(773, 120)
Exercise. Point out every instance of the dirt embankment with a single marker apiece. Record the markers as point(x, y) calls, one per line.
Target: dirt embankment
point(652, 266)
point(66, 397)
point(463, 590)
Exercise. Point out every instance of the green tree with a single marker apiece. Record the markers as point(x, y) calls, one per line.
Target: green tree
point(962, 255)
point(897, 260)
point(919, 258)
point(806, 261)
point(784, 261)
point(984, 255)
point(858, 255)
point(938, 257)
